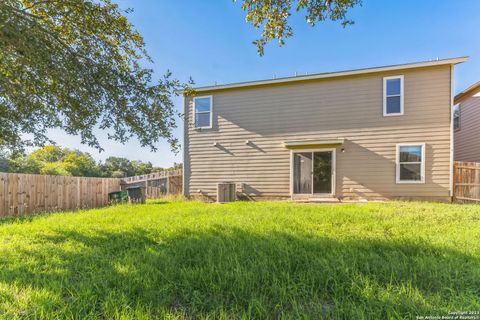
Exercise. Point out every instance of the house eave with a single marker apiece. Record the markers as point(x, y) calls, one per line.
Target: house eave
point(470, 91)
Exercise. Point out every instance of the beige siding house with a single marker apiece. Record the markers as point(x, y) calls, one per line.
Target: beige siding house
point(467, 124)
point(377, 133)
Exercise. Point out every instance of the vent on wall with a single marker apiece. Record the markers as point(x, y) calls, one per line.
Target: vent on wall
point(226, 192)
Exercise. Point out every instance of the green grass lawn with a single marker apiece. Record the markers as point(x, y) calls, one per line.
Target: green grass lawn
point(252, 260)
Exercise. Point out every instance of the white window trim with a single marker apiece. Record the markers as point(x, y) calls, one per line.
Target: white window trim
point(385, 114)
point(195, 113)
point(422, 164)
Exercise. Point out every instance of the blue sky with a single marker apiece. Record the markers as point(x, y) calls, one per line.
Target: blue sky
point(210, 41)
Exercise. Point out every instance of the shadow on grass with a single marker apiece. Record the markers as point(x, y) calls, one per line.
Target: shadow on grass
point(4, 220)
point(21, 219)
point(157, 201)
point(232, 273)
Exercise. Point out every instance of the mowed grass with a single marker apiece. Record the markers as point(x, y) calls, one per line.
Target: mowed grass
point(242, 260)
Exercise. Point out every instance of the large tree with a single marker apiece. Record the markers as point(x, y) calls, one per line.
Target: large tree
point(121, 167)
point(78, 65)
point(54, 160)
point(272, 16)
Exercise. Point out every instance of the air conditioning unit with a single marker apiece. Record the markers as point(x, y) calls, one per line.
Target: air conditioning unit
point(226, 192)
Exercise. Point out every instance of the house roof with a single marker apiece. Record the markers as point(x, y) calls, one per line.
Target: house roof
point(470, 91)
point(333, 74)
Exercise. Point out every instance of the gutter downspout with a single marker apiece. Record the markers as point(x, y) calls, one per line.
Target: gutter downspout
point(185, 130)
point(451, 131)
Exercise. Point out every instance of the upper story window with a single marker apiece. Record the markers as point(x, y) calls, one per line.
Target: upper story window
point(393, 96)
point(411, 163)
point(456, 117)
point(203, 111)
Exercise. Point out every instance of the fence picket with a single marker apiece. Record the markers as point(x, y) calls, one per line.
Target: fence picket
point(22, 194)
point(157, 184)
point(466, 181)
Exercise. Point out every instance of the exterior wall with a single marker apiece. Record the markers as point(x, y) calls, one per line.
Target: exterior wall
point(346, 107)
point(467, 138)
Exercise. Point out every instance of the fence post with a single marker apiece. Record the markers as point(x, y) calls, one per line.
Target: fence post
point(454, 184)
point(168, 184)
point(146, 187)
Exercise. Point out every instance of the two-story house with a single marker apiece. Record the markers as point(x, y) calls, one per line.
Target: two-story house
point(376, 133)
point(466, 124)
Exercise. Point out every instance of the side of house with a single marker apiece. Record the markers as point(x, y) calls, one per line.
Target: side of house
point(378, 133)
point(467, 124)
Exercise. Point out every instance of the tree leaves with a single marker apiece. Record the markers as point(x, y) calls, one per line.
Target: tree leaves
point(272, 16)
point(78, 65)
point(54, 160)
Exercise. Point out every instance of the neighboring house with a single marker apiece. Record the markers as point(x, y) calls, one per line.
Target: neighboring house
point(467, 124)
point(377, 133)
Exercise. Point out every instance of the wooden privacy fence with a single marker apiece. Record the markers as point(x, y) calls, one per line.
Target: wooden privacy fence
point(466, 181)
point(157, 184)
point(30, 193)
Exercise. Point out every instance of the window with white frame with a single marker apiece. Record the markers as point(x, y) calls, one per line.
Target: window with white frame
point(456, 117)
point(393, 96)
point(411, 163)
point(203, 112)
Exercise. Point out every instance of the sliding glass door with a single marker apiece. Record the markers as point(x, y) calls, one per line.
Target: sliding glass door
point(302, 173)
point(313, 172)
point(322, 172)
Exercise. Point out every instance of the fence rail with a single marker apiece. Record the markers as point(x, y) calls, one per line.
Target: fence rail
point(22, 194)
point(466, 181)
point(30, 193)
point(157, 184)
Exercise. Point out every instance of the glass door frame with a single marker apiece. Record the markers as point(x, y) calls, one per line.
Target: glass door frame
point(334, 171)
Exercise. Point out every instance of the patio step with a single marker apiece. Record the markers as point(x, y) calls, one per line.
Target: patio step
point(318, 200)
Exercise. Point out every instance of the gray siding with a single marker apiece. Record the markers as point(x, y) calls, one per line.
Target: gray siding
point(467, 138)
point(346, 107)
